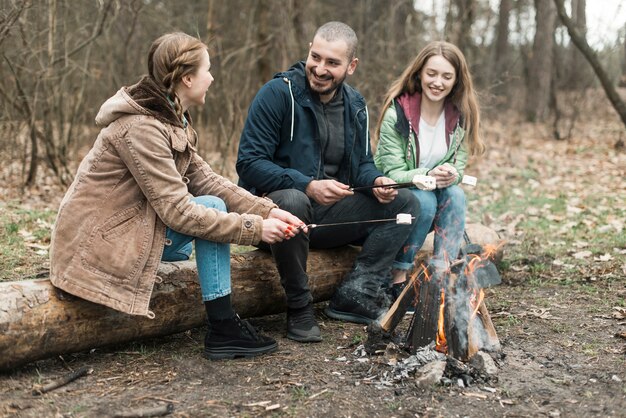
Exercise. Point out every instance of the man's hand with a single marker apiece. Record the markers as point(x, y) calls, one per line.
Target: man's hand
point(445, 175)
point(327, 192)
point(384, 194)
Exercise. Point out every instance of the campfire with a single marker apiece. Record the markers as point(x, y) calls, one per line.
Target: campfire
point(451, 318)
point(450, 309)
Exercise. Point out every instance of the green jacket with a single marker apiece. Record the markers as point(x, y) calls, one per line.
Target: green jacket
point(397, 154)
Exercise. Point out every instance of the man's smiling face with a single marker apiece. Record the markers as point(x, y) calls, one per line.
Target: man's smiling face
point(327, 66)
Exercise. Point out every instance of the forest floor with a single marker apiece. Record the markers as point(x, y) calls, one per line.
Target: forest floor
point(560, 312)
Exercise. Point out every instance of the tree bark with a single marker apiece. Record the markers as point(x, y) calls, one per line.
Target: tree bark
point(459, 21)
point(577, 74)
point(502, 46)
point(541, 62)
point(581, 43)
point(622, 81)
point(39, 321)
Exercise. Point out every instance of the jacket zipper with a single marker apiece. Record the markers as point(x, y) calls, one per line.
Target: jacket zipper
point(354, 133)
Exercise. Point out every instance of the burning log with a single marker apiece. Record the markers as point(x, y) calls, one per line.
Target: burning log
point(425, 322)
point(451, 311)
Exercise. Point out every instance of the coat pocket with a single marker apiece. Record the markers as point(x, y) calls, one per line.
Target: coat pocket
point(119, 246)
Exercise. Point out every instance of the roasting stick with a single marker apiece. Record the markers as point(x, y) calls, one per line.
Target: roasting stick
point(376, 186)
point(401, 218)
point(419, 181)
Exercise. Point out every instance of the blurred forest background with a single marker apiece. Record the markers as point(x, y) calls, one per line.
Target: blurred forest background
point(61, 59)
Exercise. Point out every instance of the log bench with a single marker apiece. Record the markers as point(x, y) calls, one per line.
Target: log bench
point(39, 321)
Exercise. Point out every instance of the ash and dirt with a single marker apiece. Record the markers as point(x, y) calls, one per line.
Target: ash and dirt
point(563, 361)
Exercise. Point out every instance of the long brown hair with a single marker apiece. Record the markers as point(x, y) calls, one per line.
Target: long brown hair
point(171, 57)
point(462, 95)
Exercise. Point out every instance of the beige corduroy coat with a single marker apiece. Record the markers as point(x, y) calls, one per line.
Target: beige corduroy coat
point(137, 180)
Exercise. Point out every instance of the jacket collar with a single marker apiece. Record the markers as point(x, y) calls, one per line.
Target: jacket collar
point(301, 91)
point(411, 107)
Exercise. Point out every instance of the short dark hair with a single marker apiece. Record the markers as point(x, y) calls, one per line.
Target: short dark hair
point(333, 31)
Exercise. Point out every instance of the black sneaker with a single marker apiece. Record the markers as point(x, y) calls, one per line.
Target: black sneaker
point(235, 337)
point(357, 308)
point(302, 326)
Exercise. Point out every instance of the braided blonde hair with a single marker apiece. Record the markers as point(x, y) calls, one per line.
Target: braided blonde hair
point(172, 57)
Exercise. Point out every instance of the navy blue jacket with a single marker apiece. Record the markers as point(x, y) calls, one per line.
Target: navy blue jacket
point(280, 147)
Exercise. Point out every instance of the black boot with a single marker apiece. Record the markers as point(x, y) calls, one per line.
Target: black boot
point(302, 326)
point(235, 337)
point(359, 299)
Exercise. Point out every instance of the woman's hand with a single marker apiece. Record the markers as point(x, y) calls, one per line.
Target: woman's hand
point(445, 175)
point(281, 225)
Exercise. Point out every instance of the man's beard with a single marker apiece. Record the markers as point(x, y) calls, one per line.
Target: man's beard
point(333, 85)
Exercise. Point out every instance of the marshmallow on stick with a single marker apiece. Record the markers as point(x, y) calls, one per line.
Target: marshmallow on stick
point(404, 219)
point(423, 182)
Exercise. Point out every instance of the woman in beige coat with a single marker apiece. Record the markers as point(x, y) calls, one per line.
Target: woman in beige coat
point(143, 193)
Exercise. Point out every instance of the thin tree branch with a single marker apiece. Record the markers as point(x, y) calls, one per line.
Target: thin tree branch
point(97, 31)
point(581, 43)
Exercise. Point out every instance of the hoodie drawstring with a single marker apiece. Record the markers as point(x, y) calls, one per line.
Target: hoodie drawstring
point(367, 131)
point(293, 107)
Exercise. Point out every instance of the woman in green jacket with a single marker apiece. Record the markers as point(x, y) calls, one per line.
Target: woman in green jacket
point(428, 126)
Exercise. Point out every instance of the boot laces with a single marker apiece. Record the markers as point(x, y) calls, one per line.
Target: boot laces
point(246, 327)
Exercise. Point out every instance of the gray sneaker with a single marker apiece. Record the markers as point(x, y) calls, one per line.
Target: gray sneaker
point(302, 326)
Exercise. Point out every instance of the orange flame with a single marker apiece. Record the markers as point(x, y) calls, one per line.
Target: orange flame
point(425, 270)
point(476, 301)
point(471, 265)
point(441, 342)
point(490, 250)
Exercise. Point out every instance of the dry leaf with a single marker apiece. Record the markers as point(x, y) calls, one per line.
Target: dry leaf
point(618, 313)
point(605, 257)
point(582, 254)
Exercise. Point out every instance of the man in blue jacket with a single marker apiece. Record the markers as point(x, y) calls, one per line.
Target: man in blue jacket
point(304, 145)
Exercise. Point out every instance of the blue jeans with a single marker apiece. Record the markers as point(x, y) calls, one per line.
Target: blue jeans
point(441, 210)
point(212, 258)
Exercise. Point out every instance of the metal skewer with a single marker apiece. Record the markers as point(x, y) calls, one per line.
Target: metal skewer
point(390, 186)
point(311, 226)
point(468, 180)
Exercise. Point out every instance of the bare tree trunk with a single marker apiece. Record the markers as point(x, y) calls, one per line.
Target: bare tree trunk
point(263, 37)
point(577, 77)
point(501, 53)
point(622, 82)
point(467, 13)
point(541, 62)
point(581, 43)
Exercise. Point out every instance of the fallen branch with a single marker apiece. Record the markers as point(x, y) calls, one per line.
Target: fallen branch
point(157, 411)
point(68, 378)
point(315, 395)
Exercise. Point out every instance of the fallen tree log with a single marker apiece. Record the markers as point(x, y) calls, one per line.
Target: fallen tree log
point(39, 321)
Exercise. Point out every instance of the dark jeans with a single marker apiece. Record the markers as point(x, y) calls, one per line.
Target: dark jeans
point(380, 241)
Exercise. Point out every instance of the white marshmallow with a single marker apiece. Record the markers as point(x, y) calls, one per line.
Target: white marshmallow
point(423, 182)
point(404, 218)
point(469, 180)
